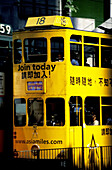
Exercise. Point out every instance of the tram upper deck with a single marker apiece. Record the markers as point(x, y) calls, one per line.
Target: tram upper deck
point(61, 58)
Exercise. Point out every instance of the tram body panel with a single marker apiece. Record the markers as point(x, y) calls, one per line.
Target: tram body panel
point(45, 138)
point(86, 82)
point(75, 136)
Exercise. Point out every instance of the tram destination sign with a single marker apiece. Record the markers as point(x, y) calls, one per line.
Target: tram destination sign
point(5, 29)
point(35, 86)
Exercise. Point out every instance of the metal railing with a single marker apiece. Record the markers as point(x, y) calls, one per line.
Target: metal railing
point(78, 157)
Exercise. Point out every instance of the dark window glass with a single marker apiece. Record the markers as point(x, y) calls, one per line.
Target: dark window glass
point(92, 40)
point(107, 111)
point(105, 41)
point(35, 50)
point(106, 100)
point(19, 112)
point(57, 49)
point(17, 51)
point(55, 111)
point(75, 111)
point(107, 115)
point(92, 110)
point(106, 57)
point(76, 54)
point(35, 112)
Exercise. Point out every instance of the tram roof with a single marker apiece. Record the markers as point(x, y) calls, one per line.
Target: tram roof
point(50, 22)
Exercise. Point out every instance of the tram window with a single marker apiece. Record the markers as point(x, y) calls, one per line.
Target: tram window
point(35, 112)
point(57, 49)
point(91, 40)
point(19, 112)
point(35, 50)
point(106, 110)
point(55, 111)
point(107, 115)
point(91, 56)
point(92, 110)
point(75, 38)
point(75, 111)
point(106, 57)
point(107, 100)
point(105, 41)
point(17, 51)
point(76, 54)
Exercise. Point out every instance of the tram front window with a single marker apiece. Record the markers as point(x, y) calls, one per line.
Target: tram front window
point(92, 110)
point(55, 111)
point(35, 112)
point(35, 50)
point(20, 112)
point(57, 49)
point(17, 51)
point(75, 111)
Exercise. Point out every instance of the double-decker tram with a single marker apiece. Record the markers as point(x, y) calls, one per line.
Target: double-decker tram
point(62, 87)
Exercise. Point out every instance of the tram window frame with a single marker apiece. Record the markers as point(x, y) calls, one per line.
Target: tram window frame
point(106, 60)
point(41, 51)
point(75, 111)
point(57, 49)
point(106, 110)
point(55, 111)
point(20, 120)
point(89, 59)
point(37, 116)
point(92, 110)
point(17, 51)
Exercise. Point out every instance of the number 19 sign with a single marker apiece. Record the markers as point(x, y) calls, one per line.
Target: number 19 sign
point(5, 29)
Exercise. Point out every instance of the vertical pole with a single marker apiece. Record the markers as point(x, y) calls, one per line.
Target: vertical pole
point(83, 126)
point(60, 7)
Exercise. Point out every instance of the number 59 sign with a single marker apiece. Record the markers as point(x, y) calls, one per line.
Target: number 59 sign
point(5, 29)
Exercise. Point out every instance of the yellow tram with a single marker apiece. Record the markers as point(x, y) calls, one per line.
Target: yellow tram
point(62, 86)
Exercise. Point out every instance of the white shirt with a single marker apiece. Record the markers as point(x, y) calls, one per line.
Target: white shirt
point(96, 122)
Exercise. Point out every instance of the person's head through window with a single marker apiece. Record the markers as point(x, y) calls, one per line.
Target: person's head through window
point(95, 122)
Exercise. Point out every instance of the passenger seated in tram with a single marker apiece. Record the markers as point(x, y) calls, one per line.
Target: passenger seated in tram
point(74, 59)
point(95, 122)
point(109, 119)
point(60, 58)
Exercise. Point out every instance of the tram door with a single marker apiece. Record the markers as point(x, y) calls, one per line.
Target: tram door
point(75, 121)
